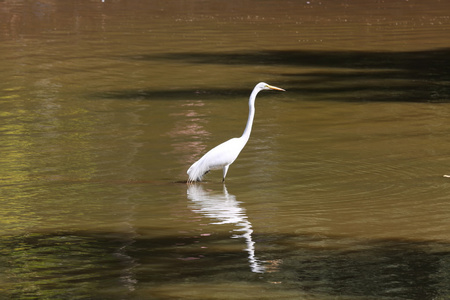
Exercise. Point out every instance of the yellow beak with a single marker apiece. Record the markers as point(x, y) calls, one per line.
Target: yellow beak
point(276, 88)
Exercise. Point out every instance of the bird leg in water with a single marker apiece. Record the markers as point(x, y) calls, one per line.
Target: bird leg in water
point(225, 170)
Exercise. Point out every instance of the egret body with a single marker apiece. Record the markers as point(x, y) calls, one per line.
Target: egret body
point(223, 155)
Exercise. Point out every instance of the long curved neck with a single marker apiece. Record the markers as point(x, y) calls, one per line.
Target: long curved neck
point(251, 114)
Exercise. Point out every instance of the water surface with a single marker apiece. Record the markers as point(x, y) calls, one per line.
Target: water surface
point(339, 193)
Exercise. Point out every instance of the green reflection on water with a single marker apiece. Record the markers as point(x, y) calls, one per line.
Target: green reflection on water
point(77, 265)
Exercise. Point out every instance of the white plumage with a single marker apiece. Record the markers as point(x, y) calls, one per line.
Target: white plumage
point(223, 155)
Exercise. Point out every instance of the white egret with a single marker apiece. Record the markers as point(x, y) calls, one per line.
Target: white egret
point(223, 155)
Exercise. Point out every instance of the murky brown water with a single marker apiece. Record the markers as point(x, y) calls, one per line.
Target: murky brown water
point(339, 193)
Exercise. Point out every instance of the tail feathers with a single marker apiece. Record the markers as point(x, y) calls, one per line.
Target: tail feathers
point(196, 172)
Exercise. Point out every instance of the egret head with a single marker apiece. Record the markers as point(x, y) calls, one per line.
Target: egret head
point(265, 86)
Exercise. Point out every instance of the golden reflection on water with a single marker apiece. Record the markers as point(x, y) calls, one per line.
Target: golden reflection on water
point(189, 132)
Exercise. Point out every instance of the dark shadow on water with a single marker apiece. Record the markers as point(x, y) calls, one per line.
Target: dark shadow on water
point(80, 264)
point(391, 269)
point(418, 61)
point(175, 94)
point(418, 76)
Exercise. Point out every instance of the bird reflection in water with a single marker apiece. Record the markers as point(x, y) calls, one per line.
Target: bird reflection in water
point(226, 210)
